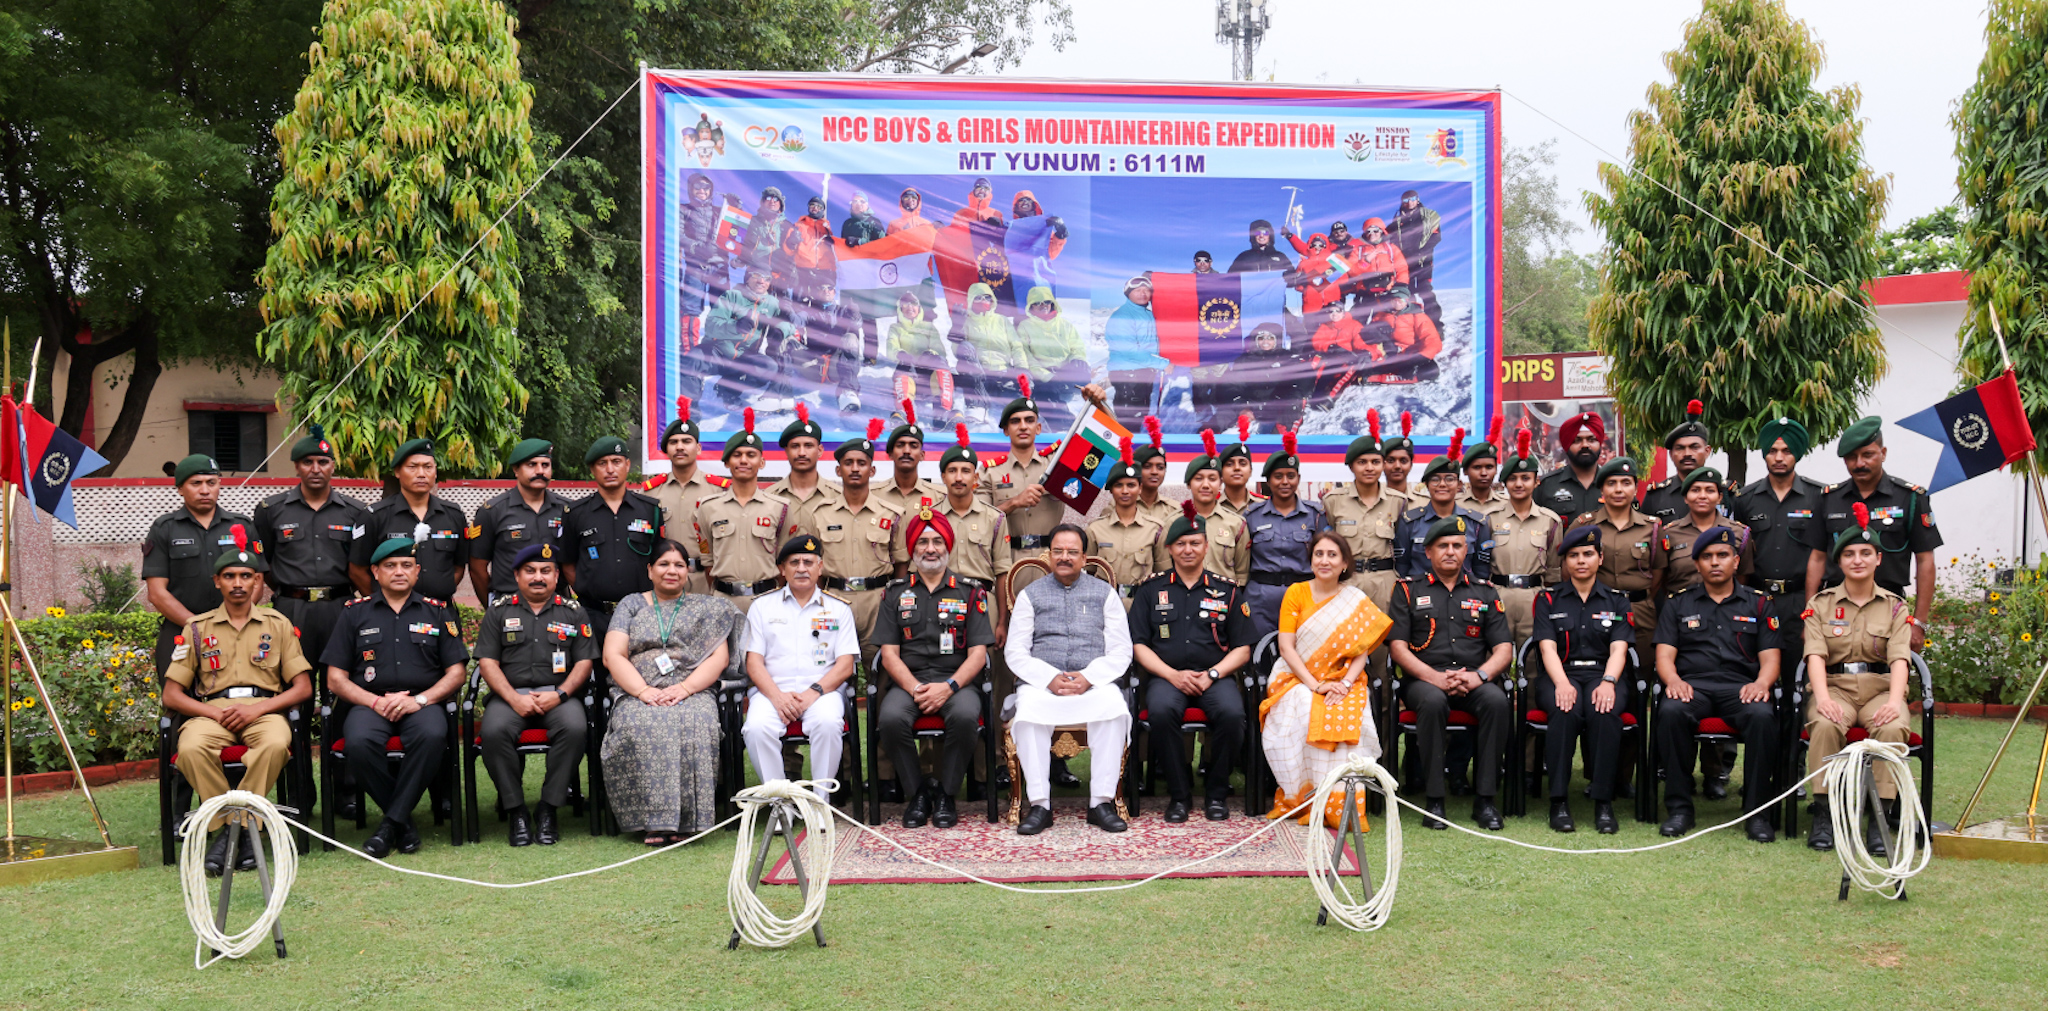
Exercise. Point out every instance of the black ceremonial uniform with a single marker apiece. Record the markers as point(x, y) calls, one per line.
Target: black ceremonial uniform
point(178, 549)
point(610, 550)
point(1561, 493)
point(1411, 562)
point(537, 651)
point(1901, 516)
point(309, 550)
point(1453, 628)
point(506, 525)
point(442, 551)
point(932, 630)
point(386, 651)
point(1777, 529)
point(1585, 631)
point(1192, 628)
point(1718, 643)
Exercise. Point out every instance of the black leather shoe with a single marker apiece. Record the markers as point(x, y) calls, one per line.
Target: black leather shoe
point(1485, 815)
point(944, 815)
point(346, 811)
point(1176, 811)
point(1603, 818)
point(521, 831)
point(1216, 809)
point(379, 843)
point(245, 856)
point(408, 839)
point(1759, 829)
point(217, 852)
point(1561, 816)
point(1821, 834)
point(1678, 824)
point(1104, 817)
point(1716, 788)
point(1036, 820)
point(1435, 819)
point(918, 811)
point(545, 831)
point(1060, 775)
point(1873, 840)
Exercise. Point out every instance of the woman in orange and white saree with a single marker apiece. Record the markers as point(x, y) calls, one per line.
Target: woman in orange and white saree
point(1316, 714)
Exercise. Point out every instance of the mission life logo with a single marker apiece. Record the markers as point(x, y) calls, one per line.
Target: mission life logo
point(1384, 144)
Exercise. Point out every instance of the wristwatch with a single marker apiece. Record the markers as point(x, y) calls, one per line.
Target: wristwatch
point(951, 686)
point(1610, 678)
point(820, 689)
point(1213, 674)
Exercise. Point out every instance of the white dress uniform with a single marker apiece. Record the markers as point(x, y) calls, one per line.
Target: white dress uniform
point(798, 643)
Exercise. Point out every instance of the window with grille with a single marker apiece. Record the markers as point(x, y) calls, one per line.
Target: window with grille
point(236, 440)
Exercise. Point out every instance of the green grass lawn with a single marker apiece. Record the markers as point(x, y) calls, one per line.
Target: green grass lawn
point(1719, 923)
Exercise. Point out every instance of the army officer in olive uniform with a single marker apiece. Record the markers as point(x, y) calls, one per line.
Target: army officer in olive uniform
point(535, 650)
point(179, 551)
point(417, 516)
point(517, 518)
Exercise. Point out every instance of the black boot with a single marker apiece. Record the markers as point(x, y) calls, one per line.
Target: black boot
point(944, 813)
point(919, 810)
point(245, 856)
point(545, 831)
point(1561, 816)
point(521, 831)
point(1821, 834)
point(1603, 817)
point(217, 852)
point(1485, 815)
point(1434, 817)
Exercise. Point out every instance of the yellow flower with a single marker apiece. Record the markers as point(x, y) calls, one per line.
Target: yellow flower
point(30, 701)
point(1951, 559)
point(92, 733)
point(1994, 612)
point(117, 661)
point(85, 644)
point(2026, 637)
point(1994, 597)
point(54, 612)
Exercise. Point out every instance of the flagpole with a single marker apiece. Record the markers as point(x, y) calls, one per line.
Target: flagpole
point(1999, 332)
point(7, 556)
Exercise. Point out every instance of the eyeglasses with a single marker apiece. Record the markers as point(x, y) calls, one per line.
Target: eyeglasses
point(1262, 231)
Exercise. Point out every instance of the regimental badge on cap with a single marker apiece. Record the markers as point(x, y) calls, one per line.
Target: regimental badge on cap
point(547, 551)
point(810, 544)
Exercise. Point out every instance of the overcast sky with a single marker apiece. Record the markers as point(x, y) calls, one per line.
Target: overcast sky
point(1584, 62)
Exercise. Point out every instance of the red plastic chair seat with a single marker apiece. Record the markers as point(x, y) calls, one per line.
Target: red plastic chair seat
point(391, 745)
point(1716, 725)
point(1859, 733)
point(530, 737)
point(1541, 717)
point(1456, 718)
point(795, 730)
point(1194, 714)
point(230, 755)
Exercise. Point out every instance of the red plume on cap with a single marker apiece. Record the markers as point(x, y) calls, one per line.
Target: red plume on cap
point(1209, 441)
point(1694, 408)
point(1024, 386)
point(1123, 446)
point(909, 412)
point(874, 429)
point(1152, 429)
point(1372, 423)
point(682, 408)
point(1862, 515)
point(242, 536)
point(748, 419)
point(1287, 442)
point(1187, 508)
point(1522, 443)
point(1244, 427)
point(960, 435)
point(1493, 430)
point(1457, 447)
point(803, 412)
point(1407, 424)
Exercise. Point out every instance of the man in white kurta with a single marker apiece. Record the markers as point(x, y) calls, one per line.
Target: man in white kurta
point(801, 645)
point(1069, 644)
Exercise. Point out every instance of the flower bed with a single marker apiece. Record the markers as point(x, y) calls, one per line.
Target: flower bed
point(98, 671)
point(1988, 633)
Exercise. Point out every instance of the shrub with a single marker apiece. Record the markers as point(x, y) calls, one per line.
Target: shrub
point(1988, 634)
point(107, 587)
point(98, 670)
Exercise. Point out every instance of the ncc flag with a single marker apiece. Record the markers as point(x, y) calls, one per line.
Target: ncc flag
point(975, 252)
point(54, 459)
point(1980, 431)
point(1081, 468)
point(1205, 319)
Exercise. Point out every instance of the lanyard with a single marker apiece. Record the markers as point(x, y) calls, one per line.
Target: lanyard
point(664, 619)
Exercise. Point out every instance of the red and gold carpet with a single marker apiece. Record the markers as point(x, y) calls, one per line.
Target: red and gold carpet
point(1071, 850)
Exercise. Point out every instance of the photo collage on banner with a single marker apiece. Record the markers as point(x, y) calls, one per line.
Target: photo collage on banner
point(1299, 254)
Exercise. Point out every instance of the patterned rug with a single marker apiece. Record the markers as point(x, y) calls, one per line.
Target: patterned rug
point(1071, 850)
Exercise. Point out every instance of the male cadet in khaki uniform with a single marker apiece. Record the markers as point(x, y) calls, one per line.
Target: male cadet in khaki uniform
point(309, 531)
point(1482, 493)
point(1152, 464)
point(521, 516)
point(1230, 548)
point(682, 488)
point(238, 671)
point(1632, 557)
point(1235, 467)
point(1132, 543)
point(534, 649)
point(740, 529)
point(1778, 508)
point(179, 551)
point(1900, 514)
point(416, 515)
point(609, 537)
point(1701, 490)
point(1397, 457)
point(905, 490)
point(1280, 527)
point(1525, 539)
point(1029, 511)
point(1440, 484)
point(1574, 489)
point(802, 443)
point(860, 538)
point(1689, 445)
point(1856, 653)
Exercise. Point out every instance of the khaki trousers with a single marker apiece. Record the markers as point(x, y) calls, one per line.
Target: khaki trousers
point(1862, 695)
point(200, 742)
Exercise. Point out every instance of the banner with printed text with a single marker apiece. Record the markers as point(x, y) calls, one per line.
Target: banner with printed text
point(1298, 254)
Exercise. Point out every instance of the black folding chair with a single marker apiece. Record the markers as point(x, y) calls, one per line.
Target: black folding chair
point(1141, 768)
point(294, 786)
point(1918, 745)
point(732, 705)
point(533, 740)
point(1712, 730)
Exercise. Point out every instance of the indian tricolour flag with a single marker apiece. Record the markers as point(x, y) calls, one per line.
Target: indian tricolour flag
point(732, 228)
point(1081, 467)
point(894, 261)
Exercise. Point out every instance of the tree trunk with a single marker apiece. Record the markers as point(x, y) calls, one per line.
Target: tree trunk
point(121, 437)
point(140, 337)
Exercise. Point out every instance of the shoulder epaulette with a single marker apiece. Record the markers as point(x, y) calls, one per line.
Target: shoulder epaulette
point(500, 600)
point(1830, 488)
point(435, 602)
point(716, 481)
point(358, 600)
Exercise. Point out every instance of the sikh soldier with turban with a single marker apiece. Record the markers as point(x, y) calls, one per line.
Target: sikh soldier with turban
point(1574, 489)
point(1778, 508)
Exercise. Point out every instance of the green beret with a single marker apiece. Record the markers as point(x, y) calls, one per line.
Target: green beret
point(314, 444)
point(1620, 466)
point(1016, 407)
point(1189, 522)
point(1449, 526)
point(398, 546)
point(192, 466)
point(738, 441)
point(1855, 534)
point(1707, 474)
point(1443, 464)
point(857, 444)
point(1146, 453)
point(1482, 451)
point(907, 430)
point(1125, 470)
point(1864, 432)
point(799, 428)
point(527, 449)
point(683, 426)
point(1691, 426)
point(1795, 435)
point(960, 453)
point(610, 445)
point(1280, 461)
point(801, 544)
point(1519, 464)
point(246, 555)
point(417, 447)
point(1198, 465)
point(1364, 445)
point(1234, 451)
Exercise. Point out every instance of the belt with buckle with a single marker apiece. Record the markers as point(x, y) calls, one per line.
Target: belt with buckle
point(1373, 565)
point(239, 692)
point(1585, 663)
point(732, 589)
point(1637, 596)
point(1775, 587)
point(1517, 582)
point(557, 689)
point(1020, 542)
point(1279, 578)
point(315, 593)
point(1856, 668)
point(854, 584)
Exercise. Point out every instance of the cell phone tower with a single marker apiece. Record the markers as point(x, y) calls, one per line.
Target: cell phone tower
point(1242, 23)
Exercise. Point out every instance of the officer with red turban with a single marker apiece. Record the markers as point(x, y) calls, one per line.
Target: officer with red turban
point(1573, 490)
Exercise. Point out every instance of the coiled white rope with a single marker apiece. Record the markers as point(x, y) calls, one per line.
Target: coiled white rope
point(199, 911)
point(1847, 806)
point(752, 920)
point(1330, 888)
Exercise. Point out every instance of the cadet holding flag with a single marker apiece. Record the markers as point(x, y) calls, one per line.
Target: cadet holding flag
point(1131, 542)
point(1015, 486)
